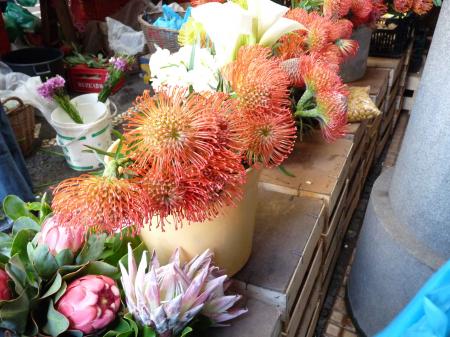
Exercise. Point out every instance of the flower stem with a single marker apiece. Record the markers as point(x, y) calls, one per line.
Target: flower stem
point(64, 102)
point(311, 113)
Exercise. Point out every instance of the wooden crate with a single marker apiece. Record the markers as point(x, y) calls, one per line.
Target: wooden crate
point(385, 131)
point(378, 80)
point(288, 232)
point(262, 320)
point(392, 96)
point(320, 170)
point(394, 66)
point(311, 315)
point(290, 328)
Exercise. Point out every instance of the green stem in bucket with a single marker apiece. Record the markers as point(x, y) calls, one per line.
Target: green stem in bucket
point(65, 104)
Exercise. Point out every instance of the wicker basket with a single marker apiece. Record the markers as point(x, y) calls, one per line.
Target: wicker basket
point(162, 37)
point(22, 122)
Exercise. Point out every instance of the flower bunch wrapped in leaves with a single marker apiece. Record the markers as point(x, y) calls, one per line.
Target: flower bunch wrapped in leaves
point(53, 89)
point(119, 65)
point(57, 279)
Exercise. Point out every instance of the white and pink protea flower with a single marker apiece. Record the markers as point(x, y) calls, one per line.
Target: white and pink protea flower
point(168, 297)
point(90, 303)
point(58, 237)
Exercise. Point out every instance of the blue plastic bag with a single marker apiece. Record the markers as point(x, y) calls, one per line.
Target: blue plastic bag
point(428, 313)
point(171, 19)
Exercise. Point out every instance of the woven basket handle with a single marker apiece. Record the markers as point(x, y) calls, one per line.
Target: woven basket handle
point(14, 98)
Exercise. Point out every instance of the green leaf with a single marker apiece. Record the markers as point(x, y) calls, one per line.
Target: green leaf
point(122, 328)
point(101, 268)
point(5, 244)
point(60, 291)
point(73, 333)
point(44, 262)
point(17, 272)
point(57, 323)
point(54, 288)
point(14, 208)
point(34, 206)
point(92, 249)
point(25, 223)
point(64, 257)
point(14, 313)
point(186, 331)
point(148, 332)
point(20, 243)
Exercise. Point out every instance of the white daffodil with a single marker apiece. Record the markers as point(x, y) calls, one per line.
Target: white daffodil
point(229, 26)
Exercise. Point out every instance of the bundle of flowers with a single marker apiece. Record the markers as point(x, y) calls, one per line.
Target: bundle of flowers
point(59, 280)
point(366, 11)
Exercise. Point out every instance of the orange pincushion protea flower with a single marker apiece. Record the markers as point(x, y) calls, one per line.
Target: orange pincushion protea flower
point(422, 7)
point(341, 29)
point(318, 76)
point(347, 47)
point(258, 81)
point(271, 139)
point(104, 204)
point(403, 6)
point(332, 113)
point(171, 133)
point(336, 8)
point(361, 10)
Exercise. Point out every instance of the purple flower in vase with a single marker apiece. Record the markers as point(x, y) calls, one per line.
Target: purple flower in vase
point(49, 88)
point(119, 63)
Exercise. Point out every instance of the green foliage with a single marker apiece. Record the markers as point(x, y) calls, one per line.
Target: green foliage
point(92, 61)
point(308, 5)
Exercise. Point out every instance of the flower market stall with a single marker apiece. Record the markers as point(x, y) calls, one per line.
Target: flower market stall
point(215, 194)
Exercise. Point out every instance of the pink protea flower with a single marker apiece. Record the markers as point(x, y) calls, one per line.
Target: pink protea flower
point(422, 7)
point(403, 6)
point(5, 292)
point(49, 88)
point(58, 237)
point(90, 303)
point(168, 297)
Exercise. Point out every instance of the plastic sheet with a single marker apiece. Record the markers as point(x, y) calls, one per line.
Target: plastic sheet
point(428, 314)
point(123, 39)
point(360, 105)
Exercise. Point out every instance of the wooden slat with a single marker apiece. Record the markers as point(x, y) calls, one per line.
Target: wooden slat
point(302, 302)
point(334, 223)
point(310, 316)
point(288, 231)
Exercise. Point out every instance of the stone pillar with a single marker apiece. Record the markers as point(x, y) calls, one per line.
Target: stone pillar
point(406, 231)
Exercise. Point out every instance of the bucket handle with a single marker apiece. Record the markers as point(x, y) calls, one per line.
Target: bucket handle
point(13, 98)
point(114, 109)
point(42, 73)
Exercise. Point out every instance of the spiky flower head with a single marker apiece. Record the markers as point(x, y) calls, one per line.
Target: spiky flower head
point(170, 133)
point(168, 297)
point(422, 7)
point(258, 81)
point(336, 9)
point(347, 47)
point(100, 203)
point(342, 29)
point(332, 112)
point(360, 11)
point(403, 6)
point(272, 138)
point(318, 76)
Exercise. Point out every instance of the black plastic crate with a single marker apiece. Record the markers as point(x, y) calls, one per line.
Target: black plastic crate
point(392, 42)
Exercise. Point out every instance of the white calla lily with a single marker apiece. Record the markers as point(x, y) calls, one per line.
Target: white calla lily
point(229, 26)
point(226, 25)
